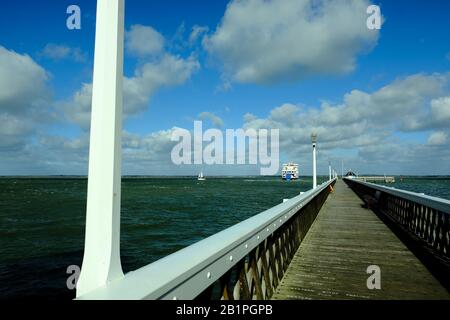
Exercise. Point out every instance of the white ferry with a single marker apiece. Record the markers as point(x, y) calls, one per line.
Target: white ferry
point(289, 171)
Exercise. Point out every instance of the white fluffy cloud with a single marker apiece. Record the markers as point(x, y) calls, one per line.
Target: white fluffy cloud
point(367, 123)
point(264, 41)
point(62, 52)
point(166, 70)
point(438, 138)
point(143, 41)
point(24, 97)
point(402, 102)
point(440, 110)
point(362, 129)
point(217, 121)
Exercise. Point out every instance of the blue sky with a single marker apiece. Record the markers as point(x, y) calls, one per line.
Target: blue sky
point(391, 85)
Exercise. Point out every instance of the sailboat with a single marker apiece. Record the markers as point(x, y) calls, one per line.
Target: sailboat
point(201, 177)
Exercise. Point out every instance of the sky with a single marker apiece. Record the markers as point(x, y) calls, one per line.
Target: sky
point(379, 100)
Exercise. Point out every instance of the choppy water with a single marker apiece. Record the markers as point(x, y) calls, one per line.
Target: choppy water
point(42, 221)
point(432, 186)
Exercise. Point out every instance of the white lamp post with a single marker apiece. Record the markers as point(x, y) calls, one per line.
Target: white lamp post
point(329, 169)
point(101, 261)
point(314, 143)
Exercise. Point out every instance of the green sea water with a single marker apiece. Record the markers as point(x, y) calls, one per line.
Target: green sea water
point(42, 221)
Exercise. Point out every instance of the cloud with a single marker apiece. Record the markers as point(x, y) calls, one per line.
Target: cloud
point(440, 111)
point(437, 138)
point(143, 41)
point(366, 124)
point(137, 90)
point(197, 32)
point(217, 121)
point(60, 52)
point(402, 105)
point(401, 102)
point(78, 109)
point(435, 117)
point(155, 147)
point(268, 41)
point(362, 129)
point(249, 117)
point(55, 155)
point(164, 70)
point(25, 98)
point(167, 72)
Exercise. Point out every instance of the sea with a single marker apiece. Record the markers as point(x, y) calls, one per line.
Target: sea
point(42, 221)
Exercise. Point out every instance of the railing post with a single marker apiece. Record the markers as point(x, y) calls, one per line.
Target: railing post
point(101, 261)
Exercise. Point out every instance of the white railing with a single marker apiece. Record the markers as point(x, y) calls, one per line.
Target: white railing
point(440, 204)
point(189, 272)
point(423, 219)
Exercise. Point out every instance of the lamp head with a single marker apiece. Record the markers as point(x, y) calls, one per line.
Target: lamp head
point(314, 137)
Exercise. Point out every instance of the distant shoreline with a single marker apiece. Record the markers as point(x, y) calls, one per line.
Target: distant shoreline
point(212, 176)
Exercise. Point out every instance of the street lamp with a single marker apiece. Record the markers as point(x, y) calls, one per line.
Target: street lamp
point(329, 169)
point(314, 143)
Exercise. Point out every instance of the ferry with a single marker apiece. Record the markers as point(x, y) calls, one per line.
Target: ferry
point(289, 171)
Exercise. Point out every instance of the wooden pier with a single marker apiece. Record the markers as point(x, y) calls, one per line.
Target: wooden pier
point(344, 240)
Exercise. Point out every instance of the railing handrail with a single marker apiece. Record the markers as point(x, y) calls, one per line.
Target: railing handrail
point(440, 204)
point(187, 273)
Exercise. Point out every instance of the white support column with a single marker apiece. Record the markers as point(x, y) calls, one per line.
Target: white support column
point(101, 262)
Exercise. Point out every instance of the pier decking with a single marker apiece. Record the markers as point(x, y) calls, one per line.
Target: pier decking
point(343, 242)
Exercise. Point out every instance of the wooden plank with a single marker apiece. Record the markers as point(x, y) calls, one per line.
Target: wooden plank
point(345, 239)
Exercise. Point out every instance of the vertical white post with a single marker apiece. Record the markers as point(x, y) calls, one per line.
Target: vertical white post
point(329, 169)
point(314, 168)
point(314, 142)
point(101, 261)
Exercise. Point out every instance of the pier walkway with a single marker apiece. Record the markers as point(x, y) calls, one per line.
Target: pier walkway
point(344, 240)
